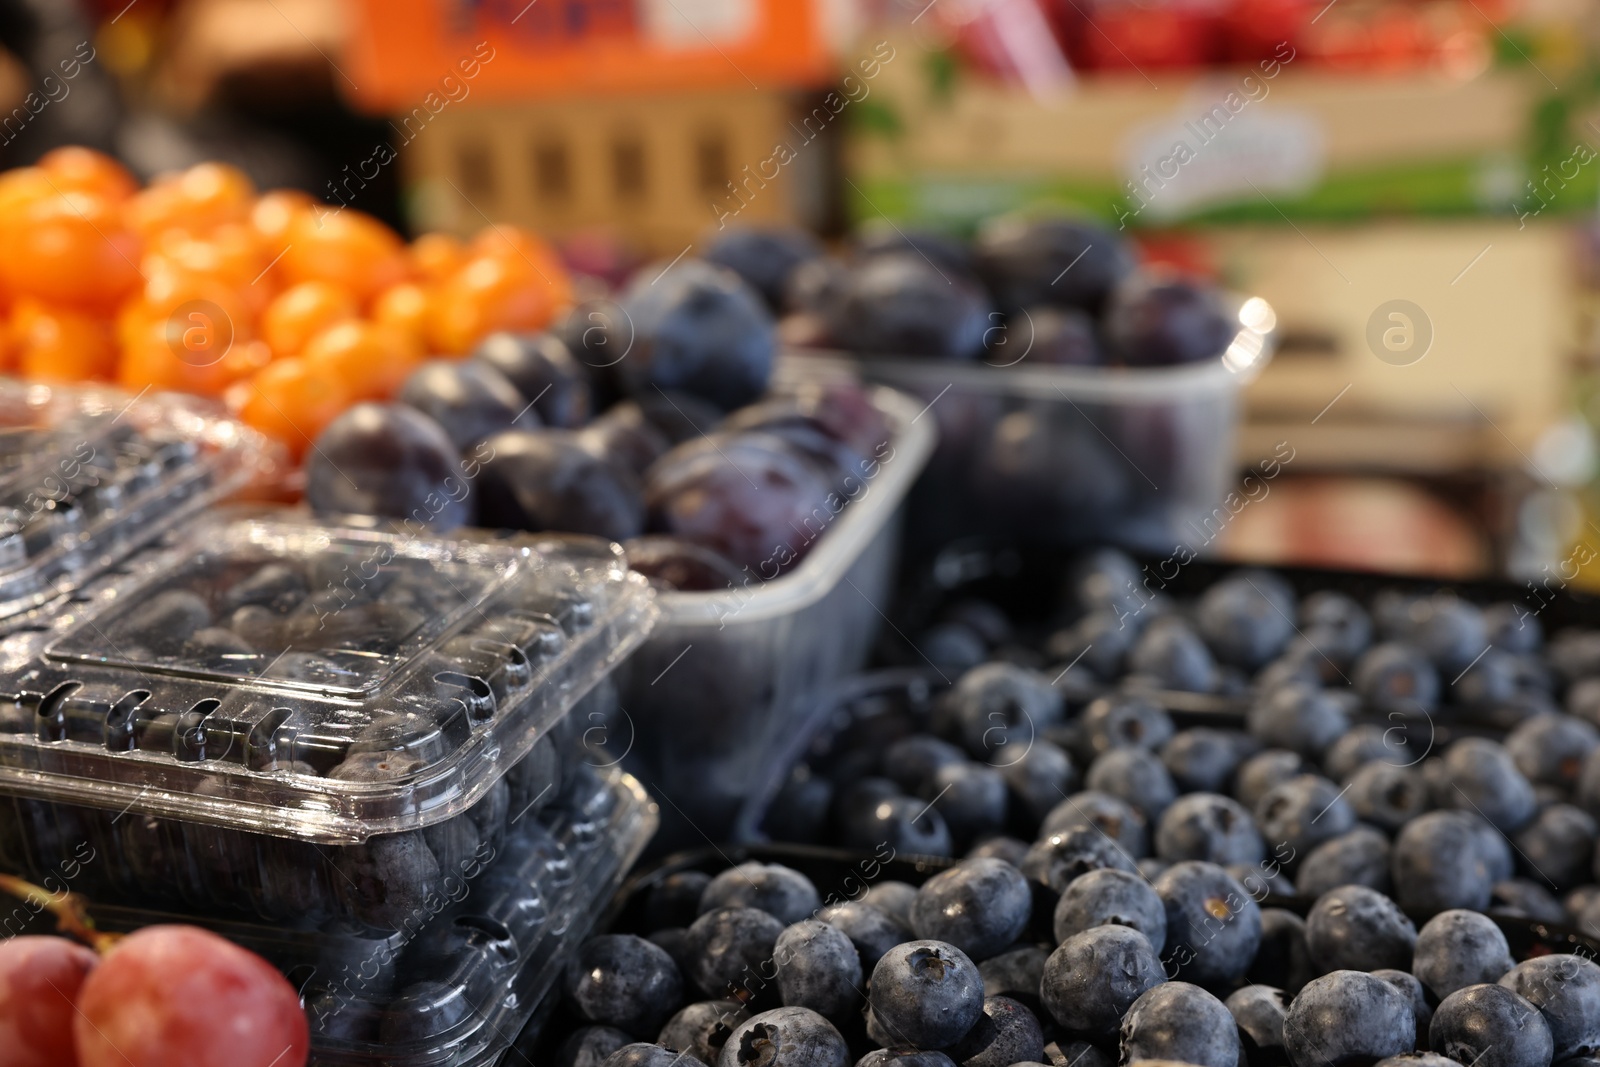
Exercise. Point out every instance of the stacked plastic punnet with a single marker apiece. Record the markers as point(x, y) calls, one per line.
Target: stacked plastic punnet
point(355, 749)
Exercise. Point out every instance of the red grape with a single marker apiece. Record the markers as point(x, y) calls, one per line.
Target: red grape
point(178, 996)
point(39, 979)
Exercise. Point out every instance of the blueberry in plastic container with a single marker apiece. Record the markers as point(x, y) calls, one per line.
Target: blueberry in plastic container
point(980, 906)
point(1358, 858)
point(703, 1028)
point(1038, 776)
point(1207, 826)
point(1202, 760)
point(1261, 772)
point(1460, 948)
point(1551, 749)
point(389, 460)
point(1386, 795)
point(643, 1054)
point(590, 1046)
point(1527, 899)
point(1175, 656)
point(998, 703)
point(545, 372)
point(1439, 865)
point(905, 1057)
point(872, 931)
point(1492, 1026)
point(1015, 974)
point(698, 328)
point(1182, 1022)
point(782, 892)
point(905, 824)
point(731, 949)
point(1353, 928)
point(926, 993)
point(1213, 925)
point(785, 1037)
point(912, 761)
point(1348, 1017)
point(1241, 623)
point(817, 968)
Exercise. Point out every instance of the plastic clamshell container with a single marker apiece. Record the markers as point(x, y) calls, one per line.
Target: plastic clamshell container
point(274, 675)
point(482, 955)
point(1064, 456)
point(89, 474)
point(725, 673)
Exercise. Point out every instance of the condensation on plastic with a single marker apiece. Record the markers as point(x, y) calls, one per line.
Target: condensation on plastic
point(724, 673)
point(476, 962)
point(391, 680)
point(88, 474)
point(1135, 456)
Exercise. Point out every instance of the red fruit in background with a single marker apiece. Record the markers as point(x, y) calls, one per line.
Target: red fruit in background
point(1258, 30)
point(1133, 37)
point(178, 996)
point(39, 980)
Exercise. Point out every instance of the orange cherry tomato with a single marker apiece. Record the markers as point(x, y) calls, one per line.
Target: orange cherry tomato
point(436, 256)
point(526, 249)
point(490, 293)
point(272, 214)
point(62, 345)
point(348, 248)
point(83, 170)
point(174, 353)
point(23, 187)
point(404, 307)
point(369, 360)
point(290, 402)
point(69, 248)
point(302, 311)
point(199, 199)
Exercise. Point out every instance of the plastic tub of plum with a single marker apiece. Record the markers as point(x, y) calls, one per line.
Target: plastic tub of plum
point(731, 665)
point(454, 988)
point(1078, 399)
point(87, 475)
point(309, 723)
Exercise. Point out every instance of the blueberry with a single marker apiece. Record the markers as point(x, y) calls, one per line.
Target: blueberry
point(1099, 641)
point(818, 968)
point(544, 371)
point(1512, 627)
point(1492, 1026)
point(700, 329)
point(1076, 1053)
point(731, 949)
point(1411, 986)
point(1347, 1018)
point(1125, 720)
point(1303, 812)
point(389, 460)
point(1056, 860)
point(165, 621)
point(780, 891)
point(1356, 928)
point(952, 647)
point(1527, 898)
point(1438, 864)
point(1006, 1033)
point(1566, 990)
point(1136, 776)
point(675, 900)
point(1202, 760)
point(1038, 777)
point(1262, 880)
point(1449, 631)
point(1261, 772)
point(1459, 948)
point(1481, 777)
point(1259, 1011)
point(641, 1054)
point(799, 811)
point(624, 981)
point(911, 761)
point(1000, 702)
point(765, 257)
point(1016, 974)
point(1300, 718)
point(1583, 700)
point(894, 899)
point(674, 940)
point(980, 906)
point(1283, 958)
point(905, 1057)
point(926, 993)
point(702, 1029)
point(1012, 850)
point(1559, 844)
point(1337, 625)
point(1173, 654)
point(971, 797)
point(1418, 1059)
point(1386, 795)
point(906, 825)
point(1493, 679)
point(872, 931)
point(1090, 981)
point(899, 304)
point(590, 1046)
point(1181, 1022)
point(1111, 897)
point(1551, 749)
point(387, 881)
point(1360, 858)
point(1493, 847)
point(1120, 821)
point(1242, 624)
point(1393, 677)
point(273, 585)
point(1213, 925)
point(1206, 826)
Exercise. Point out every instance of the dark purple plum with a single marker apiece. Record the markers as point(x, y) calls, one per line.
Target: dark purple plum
point(764, 256)
point(1161, 319)
point(1065, 262)
point(469, 400)
point(1052, 336)
point(546, 481)
point(625, 436)
point(900, 304)
point(390, 460)
point(545, 372)
point(681, 565)
point(883, 238)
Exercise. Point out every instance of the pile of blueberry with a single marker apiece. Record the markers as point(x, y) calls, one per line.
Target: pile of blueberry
point(641, 420)
point(1026, 292)
point(1304, 877)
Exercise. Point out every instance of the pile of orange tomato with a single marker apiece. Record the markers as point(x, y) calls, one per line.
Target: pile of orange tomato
point(289, 309)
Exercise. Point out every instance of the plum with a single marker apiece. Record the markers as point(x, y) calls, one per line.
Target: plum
point(468, 399)
point(387, 459)
point(900, 304)
point(1161, 318)
point(764, 256)
point(548, 481)
point(1058, 261)
point(545, 372)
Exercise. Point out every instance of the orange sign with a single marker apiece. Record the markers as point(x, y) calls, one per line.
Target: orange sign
point(401, 51)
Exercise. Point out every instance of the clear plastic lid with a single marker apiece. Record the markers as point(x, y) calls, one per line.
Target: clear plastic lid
point(88, 474)
point(268, 672)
